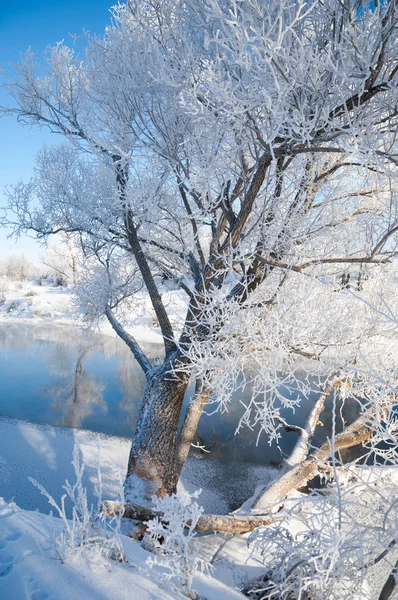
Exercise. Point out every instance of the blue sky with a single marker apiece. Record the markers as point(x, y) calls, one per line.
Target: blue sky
point(35, 24)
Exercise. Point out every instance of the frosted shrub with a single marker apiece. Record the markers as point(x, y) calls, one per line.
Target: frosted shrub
point(171, 537)
point(316, 552)
point(89, 529)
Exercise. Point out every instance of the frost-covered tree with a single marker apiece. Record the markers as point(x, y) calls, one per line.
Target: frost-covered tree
point(244, 152)
point(64, 258)
point(17, 267)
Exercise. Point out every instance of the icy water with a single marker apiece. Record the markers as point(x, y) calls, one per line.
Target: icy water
point(64, 376)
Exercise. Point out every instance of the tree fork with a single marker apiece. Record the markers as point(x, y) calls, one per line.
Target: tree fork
point(294, 479)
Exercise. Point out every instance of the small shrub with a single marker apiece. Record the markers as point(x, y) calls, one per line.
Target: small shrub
point(90, 530)
point(2, 298)
point(171, 537)
point(30, 294)
point(61, 281)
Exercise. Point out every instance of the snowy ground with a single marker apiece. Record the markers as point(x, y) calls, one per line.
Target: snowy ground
point(28, 567)
point(31, 570)
point(28, 301)
point(45, 454)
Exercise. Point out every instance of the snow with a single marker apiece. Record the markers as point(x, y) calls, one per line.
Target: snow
point(28, 301)
point(45, 453)
point(30, 569)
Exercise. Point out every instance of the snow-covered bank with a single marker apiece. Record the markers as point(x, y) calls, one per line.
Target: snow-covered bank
point(26, 547)
point(30, 568)
point(32, 303)
point(28, 301)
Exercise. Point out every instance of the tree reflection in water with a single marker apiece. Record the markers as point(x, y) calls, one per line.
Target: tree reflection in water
point(78, 395)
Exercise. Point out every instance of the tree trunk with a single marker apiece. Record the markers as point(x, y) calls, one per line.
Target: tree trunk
point(152, 467)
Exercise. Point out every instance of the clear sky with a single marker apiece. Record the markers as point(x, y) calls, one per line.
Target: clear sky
point(35, 24)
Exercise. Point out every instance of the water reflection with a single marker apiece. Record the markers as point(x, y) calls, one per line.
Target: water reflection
point(78, 395)
point(65, 376)
point(69, 377)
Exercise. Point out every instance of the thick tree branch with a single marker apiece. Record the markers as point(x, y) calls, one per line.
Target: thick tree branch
point(192, 221)
point(321, 261)
point(158, 306)
point(248, 201)
point(190, 425)
point(390, 584)
point(302, 447)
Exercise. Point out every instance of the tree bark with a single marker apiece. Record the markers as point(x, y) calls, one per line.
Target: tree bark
point(152, 467)
point(390, 584)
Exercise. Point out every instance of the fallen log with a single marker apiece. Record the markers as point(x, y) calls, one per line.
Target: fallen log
point(228, 523)
point(298, 476)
